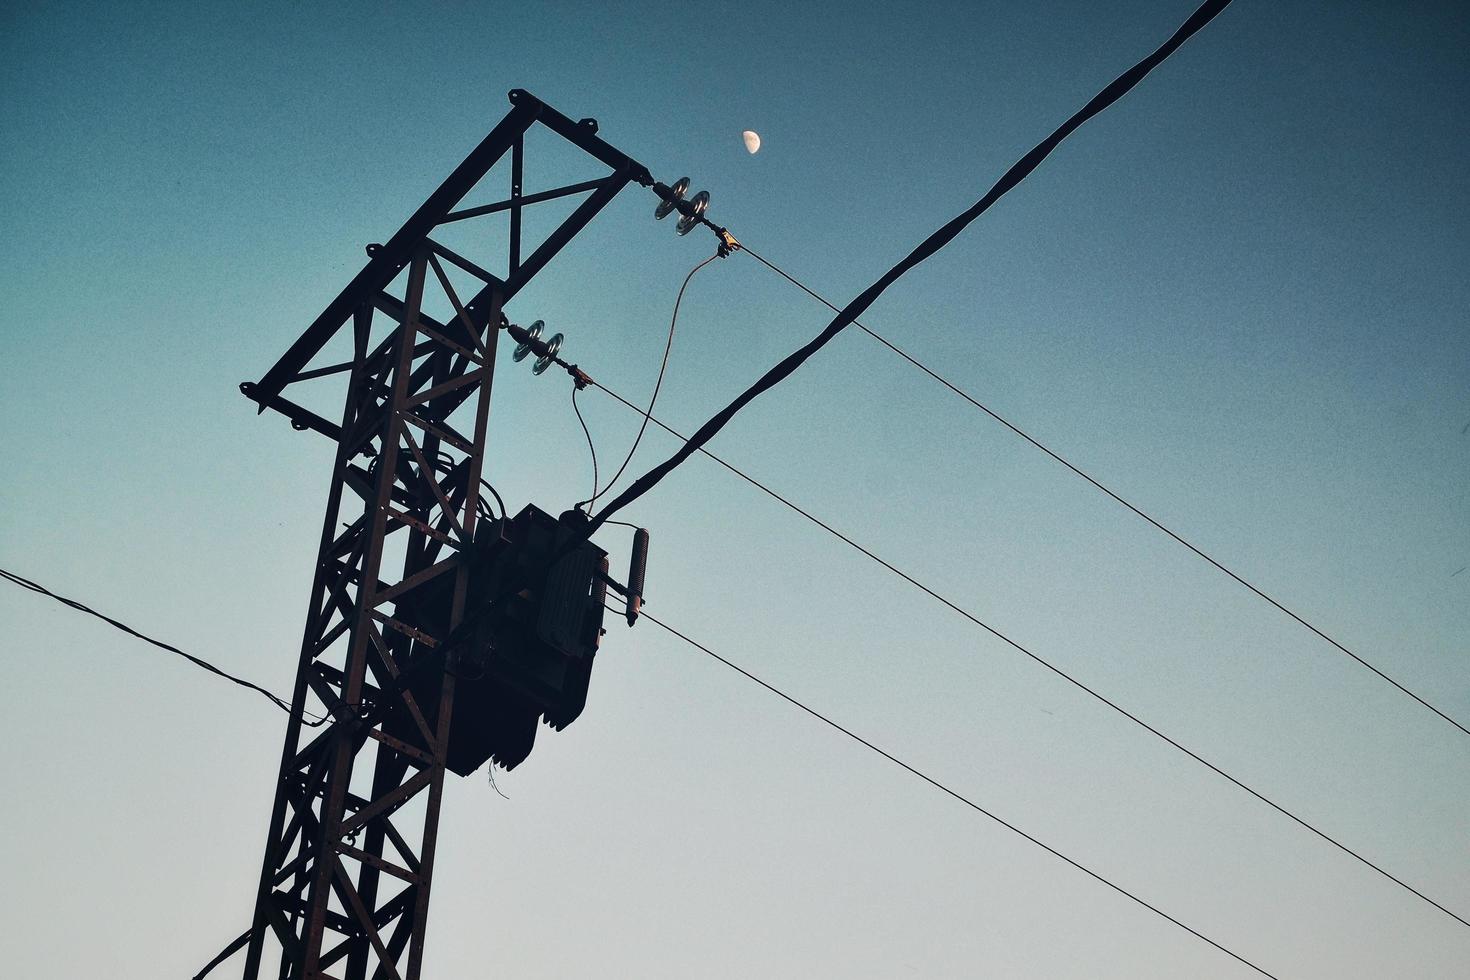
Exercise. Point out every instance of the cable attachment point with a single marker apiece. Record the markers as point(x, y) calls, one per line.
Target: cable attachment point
point(728, 244)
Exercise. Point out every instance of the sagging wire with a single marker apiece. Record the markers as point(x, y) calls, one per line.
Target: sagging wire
point(662, 368)
point(271, 696)
point(590, 447)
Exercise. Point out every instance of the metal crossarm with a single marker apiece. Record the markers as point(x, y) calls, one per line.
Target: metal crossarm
point(390, 259)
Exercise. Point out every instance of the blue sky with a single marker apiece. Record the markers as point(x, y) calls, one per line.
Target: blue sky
point(1238, 297)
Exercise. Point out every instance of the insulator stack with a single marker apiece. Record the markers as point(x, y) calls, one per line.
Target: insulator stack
point(637, 565)
point(528, 342)
point(691, 211)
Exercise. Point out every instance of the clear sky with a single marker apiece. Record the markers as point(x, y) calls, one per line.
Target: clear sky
point(1239, 297)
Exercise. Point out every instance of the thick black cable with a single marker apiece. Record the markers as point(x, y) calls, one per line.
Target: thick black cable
point(275, 699)
point(951, 792)
point(977, 621)
point(1118, 498)
point(663, 366)
point(1018, 172)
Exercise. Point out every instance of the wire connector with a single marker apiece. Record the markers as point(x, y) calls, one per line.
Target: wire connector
point(728, 243)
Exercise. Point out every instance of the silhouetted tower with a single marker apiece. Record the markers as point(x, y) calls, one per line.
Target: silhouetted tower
point(410, 556)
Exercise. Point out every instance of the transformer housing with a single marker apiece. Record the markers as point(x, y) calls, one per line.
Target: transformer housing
point(524, 650)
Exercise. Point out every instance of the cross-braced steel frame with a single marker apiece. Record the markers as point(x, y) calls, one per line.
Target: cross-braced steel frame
point(344, 885)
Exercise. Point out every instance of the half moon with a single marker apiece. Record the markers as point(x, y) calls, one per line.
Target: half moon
point(752, 140)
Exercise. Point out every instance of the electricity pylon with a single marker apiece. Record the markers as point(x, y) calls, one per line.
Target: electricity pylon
point(349, 857)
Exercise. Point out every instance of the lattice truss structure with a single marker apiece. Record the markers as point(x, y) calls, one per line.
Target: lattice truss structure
point(345, 881)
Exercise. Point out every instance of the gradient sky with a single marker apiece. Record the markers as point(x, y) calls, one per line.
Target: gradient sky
point(1239, 297)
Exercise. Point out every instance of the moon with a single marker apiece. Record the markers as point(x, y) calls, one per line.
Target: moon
point(752, 140)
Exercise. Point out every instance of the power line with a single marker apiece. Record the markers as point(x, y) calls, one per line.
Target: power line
point(1260, 593)
point(952, 792)
point(239, 942)
point(281, 703)
point(663, 366)
point(274, 699)
point(977, 621)
point(1012, 177)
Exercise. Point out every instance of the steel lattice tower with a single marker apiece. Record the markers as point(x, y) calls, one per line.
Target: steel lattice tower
point(345, 881)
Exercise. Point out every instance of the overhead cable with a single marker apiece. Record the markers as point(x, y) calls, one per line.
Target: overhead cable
point(1018, 172)
point(1016, 645)
point(824, 719)
point(588, 433)
point(1099, 485)
point(653, 399)
point(274, 699)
